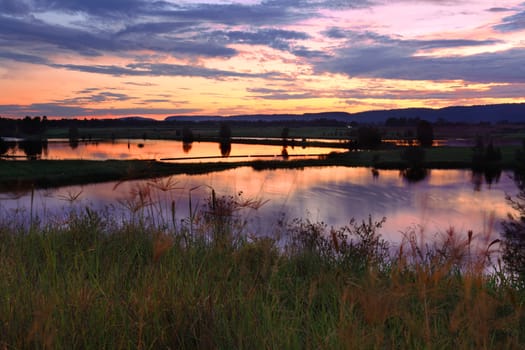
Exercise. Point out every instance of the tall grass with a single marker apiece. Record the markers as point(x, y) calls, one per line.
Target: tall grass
point(92, 281)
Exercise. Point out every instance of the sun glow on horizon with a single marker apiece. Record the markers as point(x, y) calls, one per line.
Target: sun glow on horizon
point(247, 57)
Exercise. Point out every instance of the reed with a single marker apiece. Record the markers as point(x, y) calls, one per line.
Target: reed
point(94, 281)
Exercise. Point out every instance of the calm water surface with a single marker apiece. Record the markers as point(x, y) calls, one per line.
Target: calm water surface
point(444, 199)
point(61, 149)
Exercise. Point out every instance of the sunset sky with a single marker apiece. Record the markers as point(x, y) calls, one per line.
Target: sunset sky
point(112, 58)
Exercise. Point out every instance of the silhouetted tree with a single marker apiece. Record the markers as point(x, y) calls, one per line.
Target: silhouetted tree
point(187, 135)
point(425, 133)
point(32, 148)
point(492, 154)
point(368, 137)
point(414, 156)
point(225, 132)
point(486, 162)
point(32, 126)
point(73, 136)
point(285, 133)
point(4, 147)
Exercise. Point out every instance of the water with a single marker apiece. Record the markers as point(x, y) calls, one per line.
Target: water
point(444, 199)
point(61, 149)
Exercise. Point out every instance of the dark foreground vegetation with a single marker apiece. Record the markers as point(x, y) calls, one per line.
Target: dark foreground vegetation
point(90, 280)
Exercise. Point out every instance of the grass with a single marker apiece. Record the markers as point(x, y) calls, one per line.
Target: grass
point(53, 173)
point(94, 281)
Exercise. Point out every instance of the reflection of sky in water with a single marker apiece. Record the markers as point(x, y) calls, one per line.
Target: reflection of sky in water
point(331, 194)
point(157, 149)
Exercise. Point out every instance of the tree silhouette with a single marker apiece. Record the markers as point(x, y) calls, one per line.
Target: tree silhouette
point(73, 136)
point(425, 133)
point(414, 156)
point(285, 133)
point(187, 135)
point(33, 126)
point(368, 137)
point(4, 146)
point(32, 148)
point(225, 132)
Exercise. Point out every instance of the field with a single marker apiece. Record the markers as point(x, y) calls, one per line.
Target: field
point(88, 279)
point(96, 282)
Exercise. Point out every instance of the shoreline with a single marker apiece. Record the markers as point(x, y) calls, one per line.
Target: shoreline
point(16, 175)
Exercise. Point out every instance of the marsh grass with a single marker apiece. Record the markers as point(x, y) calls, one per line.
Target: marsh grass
point(92, 281)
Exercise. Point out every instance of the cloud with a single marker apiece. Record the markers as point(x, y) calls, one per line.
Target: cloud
point(512, 23)
point(157, 100)
point(372, 55)
point(139, 84)
point(160, 69)
point(25, 58)
point(375, 38)
point(281, 94)
point(266, 13)
point(302, 51)
point(394, 62)
point(92, 95)
point(183, 31)
point(105, 8)
point(278, 39)
point(499, 9)
point(461, 92)
point(14, 7)
point(60, 110)
point(387, 92)
point(30, 33)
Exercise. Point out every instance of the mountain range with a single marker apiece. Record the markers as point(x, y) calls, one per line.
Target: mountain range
point(512, 113)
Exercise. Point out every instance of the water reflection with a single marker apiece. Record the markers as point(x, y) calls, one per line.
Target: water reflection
point(443, 199)
point(415, 174)
point(33, 148)
point(60, 149)
point(186, 147)
point(226, 148)
point(488, 175)
point(7, 147)
point(284, 153)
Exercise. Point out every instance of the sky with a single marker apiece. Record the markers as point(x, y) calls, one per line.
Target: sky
point(156, 58)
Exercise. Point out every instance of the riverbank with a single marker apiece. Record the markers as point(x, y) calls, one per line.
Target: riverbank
point(96, 282)
point(55, 173)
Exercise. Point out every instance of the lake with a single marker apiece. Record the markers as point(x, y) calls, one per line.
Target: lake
point(444, 199)
point(120, 149)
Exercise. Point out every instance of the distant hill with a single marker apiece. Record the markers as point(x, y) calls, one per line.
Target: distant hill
point(468, 114)
point(340, 116)
point(137, 119)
